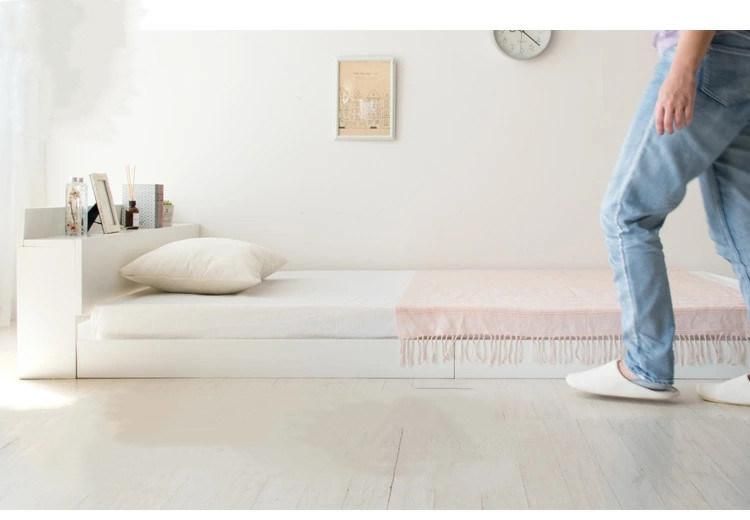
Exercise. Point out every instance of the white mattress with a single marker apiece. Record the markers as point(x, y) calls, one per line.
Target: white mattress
point(288, 304)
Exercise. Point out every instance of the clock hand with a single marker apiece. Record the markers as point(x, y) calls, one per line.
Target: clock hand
point(530, 38)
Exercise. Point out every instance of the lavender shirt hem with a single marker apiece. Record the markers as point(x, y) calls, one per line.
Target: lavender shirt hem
point(664, 40)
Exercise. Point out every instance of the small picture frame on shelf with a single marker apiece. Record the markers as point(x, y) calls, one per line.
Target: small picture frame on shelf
point(108, 216)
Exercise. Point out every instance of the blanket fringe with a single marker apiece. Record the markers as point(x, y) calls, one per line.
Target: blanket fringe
point(510, 350)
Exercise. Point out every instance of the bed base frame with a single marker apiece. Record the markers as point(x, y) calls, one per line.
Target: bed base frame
point(303, 358)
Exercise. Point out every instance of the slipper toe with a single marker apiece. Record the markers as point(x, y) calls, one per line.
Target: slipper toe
point(735, 391)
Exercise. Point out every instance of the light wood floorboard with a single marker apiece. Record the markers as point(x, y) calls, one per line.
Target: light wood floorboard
point(375, 444)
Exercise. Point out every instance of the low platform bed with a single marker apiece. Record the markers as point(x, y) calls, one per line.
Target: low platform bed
point(339, 324)
point(78, 318)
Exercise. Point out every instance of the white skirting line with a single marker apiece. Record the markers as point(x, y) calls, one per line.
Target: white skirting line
point(510, 350)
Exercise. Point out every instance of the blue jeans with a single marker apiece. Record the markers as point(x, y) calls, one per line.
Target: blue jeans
point(650, 181)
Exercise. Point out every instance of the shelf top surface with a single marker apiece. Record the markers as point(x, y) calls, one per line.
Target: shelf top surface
point(109, 236)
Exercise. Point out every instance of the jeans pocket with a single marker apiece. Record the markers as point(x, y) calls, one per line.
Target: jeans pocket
point(725, 75)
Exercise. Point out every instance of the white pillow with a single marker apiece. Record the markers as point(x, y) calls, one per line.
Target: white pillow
point(204, 266)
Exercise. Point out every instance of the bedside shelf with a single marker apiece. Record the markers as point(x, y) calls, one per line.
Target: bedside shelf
point(61, 278)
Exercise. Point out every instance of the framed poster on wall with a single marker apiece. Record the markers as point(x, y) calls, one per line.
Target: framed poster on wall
point(365, 100)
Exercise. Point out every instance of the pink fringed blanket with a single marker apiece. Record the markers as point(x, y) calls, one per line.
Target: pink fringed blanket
point(567, 316)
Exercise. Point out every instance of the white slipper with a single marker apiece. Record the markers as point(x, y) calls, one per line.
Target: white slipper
point(734, 391)
point(608, 380)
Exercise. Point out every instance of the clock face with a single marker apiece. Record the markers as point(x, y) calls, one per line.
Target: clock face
point(522, 44)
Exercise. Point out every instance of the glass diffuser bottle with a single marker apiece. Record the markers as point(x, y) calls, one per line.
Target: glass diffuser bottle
point(132, 216)
point(76, 208)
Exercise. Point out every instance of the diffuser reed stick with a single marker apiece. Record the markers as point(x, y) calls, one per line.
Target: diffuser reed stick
point(130, 172)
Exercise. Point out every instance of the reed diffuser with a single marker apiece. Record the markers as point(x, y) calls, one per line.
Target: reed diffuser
point(132, 215)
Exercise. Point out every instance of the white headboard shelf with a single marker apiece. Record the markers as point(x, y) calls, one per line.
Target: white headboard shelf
point(61, 278)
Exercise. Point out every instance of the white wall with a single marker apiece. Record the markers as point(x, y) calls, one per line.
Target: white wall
point(496, 162)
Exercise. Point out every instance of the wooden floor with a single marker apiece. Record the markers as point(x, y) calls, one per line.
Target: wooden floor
point(360, 444)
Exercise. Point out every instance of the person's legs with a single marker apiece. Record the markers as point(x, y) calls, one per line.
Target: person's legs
point(726, 197)
point(649, 182)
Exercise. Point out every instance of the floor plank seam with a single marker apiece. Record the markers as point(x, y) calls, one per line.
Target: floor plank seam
point(643, 472)
point(12, 441)
point(441, 388)
point(598, 463)
point(523, 486)
point(395, 466)
point(260, 492)
point(712, 463)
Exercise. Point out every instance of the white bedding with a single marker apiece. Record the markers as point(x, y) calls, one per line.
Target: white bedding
point(289, 304)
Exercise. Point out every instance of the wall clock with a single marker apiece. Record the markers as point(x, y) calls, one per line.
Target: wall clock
point(522, 44)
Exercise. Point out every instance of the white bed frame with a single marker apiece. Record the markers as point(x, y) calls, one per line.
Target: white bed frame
point(300, 358)
point(60, 279)
point(269, 358)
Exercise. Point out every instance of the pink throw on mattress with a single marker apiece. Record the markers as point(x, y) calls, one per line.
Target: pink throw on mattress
point(554, 304)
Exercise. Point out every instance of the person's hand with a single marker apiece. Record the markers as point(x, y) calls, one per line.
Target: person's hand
point(674, 107)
